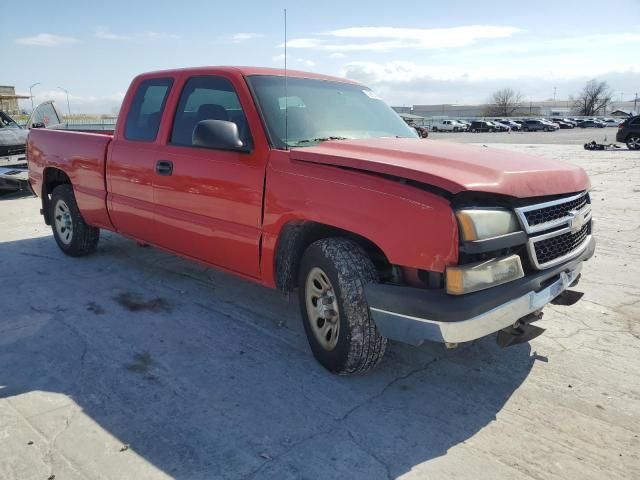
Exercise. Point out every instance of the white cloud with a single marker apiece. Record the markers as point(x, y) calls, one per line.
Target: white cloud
point(383, 39)
point(244, 36)
point(411, 83)
point(106, 34)
point(337, 56)
point(46, 40)
point(302, 61)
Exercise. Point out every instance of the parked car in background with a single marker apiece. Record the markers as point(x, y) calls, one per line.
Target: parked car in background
point(448, 126)
point(566, 121)
point(591, 124)
point(564, 125)
point(466, 123)
point(554, 125)
point(499, 127)
point(508, 123)
point(422, 130)
point(535, 125)
point(383, 235)
point(611, 122)
point(481, 126)
point(629, 132)
point(13, 160)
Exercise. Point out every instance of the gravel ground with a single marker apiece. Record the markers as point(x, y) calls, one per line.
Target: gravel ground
point(135, 364)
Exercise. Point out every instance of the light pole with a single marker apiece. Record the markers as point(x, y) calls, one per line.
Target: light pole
point(67, 92)
point(31, 93)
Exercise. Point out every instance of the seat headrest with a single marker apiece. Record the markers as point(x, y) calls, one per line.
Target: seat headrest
point(212, 111)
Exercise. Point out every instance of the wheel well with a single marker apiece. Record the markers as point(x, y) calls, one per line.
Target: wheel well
point(294, 239)
point(52, 177)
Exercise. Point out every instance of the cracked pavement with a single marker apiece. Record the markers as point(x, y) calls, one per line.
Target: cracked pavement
point(133, 363)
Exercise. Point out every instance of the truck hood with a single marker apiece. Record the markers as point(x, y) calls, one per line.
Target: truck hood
point(451, 166)
point(13, 136)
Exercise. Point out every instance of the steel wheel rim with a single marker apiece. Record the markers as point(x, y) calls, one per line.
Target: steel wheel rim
point(322, 308)
point(63, 222)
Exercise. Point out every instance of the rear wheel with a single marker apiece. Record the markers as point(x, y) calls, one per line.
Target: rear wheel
point(633, 143)
point(341, 333)
point(72, 234)
point(435, 129)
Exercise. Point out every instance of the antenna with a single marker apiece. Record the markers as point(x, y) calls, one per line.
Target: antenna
point(286, 100)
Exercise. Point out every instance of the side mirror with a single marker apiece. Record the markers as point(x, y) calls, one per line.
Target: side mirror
point(218, 134)
point(38, 125)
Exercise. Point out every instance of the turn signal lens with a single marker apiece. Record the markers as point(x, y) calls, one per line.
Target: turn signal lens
point(478, 276)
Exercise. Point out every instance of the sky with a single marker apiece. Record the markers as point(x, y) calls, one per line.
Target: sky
point(407, 52)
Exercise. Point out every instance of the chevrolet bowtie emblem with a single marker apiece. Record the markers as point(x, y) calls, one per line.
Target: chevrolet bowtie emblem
point(577, 219)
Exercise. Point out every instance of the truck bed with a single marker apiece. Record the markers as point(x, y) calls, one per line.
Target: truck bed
point(82, 157)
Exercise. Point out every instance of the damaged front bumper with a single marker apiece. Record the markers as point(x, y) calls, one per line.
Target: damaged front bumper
point(14, 178)
point(413, 315)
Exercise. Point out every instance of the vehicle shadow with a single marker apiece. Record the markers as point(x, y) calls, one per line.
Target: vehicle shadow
point(207, 376)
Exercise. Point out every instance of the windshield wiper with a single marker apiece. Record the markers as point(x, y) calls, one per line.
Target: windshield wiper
point(320, 139)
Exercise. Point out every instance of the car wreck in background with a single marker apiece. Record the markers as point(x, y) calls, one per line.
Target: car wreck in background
point(13, 161)
point(13, 138)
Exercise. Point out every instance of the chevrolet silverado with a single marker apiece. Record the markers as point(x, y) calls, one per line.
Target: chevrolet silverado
point(309, 182)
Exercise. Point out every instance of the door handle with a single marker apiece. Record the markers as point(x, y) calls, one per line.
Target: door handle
point(164, 167)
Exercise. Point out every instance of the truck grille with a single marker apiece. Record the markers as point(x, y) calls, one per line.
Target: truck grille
point(559, 229)
point(555, 212)
point(559, 246)
point(6, 150)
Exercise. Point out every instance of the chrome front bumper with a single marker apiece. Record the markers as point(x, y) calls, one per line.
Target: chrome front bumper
point(13, 160)
point(416, 330)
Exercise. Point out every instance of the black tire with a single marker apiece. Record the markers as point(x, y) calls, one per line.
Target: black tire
point(435, 129)
point(359, 347)
point(81, 239)
point(473, 130)
point(633, 142)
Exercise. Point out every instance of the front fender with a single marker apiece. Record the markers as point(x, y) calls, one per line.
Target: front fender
point(413, 227)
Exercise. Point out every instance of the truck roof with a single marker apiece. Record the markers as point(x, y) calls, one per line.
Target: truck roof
point(248, 71)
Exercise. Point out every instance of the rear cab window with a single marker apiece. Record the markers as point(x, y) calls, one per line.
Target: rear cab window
point(147, 106)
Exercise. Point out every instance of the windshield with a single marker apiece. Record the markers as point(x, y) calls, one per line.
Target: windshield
point(7, 122)
point(319, 110)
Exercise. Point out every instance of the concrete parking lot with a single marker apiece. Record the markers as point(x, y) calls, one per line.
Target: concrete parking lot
point(135, 364)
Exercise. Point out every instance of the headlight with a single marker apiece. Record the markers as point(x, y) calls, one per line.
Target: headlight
point(483, 223)
point(481, 275)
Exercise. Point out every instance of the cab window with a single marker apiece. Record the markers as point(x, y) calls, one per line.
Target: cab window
point(143, 120)
point(207, 98)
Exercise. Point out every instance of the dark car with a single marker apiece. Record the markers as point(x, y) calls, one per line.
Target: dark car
point(629, 132)
point(533, 125)
point(499, 127)
point(591, 124)
point(564, 125)
point(481, 126)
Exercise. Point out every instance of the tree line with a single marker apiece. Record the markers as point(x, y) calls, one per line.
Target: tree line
point(593, 98)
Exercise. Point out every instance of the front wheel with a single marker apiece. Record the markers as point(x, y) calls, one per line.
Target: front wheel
point(633, 143)
point(72, 234)
point(341, 333)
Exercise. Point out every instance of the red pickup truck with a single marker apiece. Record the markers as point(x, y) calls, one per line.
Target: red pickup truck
point(312, 183)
